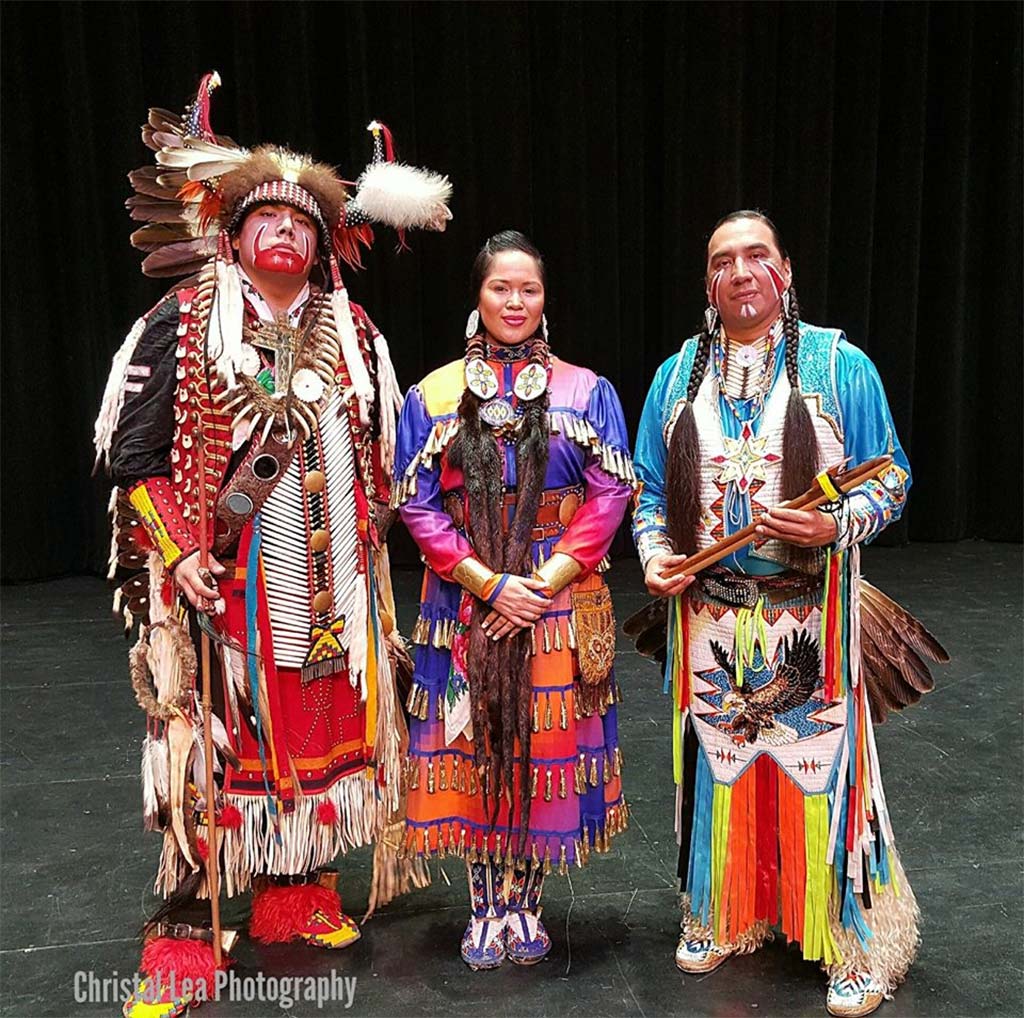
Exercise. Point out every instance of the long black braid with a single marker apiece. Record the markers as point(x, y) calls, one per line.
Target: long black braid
point(682, 470)
point(800, 451)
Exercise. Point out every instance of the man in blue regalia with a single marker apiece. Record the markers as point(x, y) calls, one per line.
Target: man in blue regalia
point(782, 820)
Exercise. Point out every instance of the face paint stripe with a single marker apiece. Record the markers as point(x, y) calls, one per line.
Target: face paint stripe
point(716, 283)
point(774, 276)
point(257, 241)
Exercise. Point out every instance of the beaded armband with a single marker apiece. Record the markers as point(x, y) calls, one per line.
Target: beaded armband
point(158, 510)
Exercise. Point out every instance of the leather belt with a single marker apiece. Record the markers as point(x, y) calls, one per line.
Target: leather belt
point(557, 508)
point(183, 931)
point(740, 590)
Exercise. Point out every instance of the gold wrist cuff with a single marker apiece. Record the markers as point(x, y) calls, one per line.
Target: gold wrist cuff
point(558, 572)
point(472, 574)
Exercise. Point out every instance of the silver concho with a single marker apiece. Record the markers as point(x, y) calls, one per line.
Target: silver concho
point(497, 413)
point(530, 382)
point(481, 379)
point(240, 503)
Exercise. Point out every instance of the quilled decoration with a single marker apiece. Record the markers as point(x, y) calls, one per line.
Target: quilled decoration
point(307, 385)
point(481, 379)
point(249, 360)
point(530, 382)
point(496, 413)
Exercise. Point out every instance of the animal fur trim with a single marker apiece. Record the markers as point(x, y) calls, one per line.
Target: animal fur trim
point(279, 914)
point(893, 920)
point(187, 959)
point(746, 943)
point(270, 162)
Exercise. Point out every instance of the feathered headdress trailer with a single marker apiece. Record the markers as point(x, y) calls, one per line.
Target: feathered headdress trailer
point(196, 196)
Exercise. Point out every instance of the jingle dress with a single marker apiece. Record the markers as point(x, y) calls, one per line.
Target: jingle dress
point(781, 813)
point(575, 762)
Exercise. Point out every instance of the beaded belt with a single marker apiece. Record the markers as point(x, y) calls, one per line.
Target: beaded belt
point(557, 508)
point(739, 590)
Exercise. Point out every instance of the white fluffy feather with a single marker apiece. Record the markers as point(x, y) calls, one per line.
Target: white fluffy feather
point(403, 196)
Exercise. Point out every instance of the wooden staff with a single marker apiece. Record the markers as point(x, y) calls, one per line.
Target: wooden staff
point(212, 856)
point(810, 499)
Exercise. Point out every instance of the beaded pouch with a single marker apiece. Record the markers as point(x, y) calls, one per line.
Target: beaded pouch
point(594, 623)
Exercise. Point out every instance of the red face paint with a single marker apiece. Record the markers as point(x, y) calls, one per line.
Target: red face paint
point(774, 276)
point(277, 238)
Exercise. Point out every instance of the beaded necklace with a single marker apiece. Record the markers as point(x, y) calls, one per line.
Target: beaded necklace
point(728, 359)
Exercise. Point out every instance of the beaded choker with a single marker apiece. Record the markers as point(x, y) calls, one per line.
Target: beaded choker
point(745, 371)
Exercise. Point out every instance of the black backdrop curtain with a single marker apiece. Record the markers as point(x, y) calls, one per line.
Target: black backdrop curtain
point(885, 139)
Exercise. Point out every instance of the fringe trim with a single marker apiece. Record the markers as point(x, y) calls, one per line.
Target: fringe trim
point(394, 873)
point(113, 395)
point(613, 460)
point(219, 302)
point(480, 845)
point(437, 441)
point(298, 844)
point(390, 404)
point(358, 374)
point(744, 943)
point(893, 920)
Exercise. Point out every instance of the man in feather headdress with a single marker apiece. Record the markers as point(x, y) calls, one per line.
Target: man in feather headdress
point(254, 407)
point(782, 818)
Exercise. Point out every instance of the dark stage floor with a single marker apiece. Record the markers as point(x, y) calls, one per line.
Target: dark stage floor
point(77, 866)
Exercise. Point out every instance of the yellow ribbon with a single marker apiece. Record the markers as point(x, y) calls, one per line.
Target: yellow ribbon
point(826, 485)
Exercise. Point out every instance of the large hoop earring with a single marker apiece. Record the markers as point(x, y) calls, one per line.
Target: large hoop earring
point(473, 324)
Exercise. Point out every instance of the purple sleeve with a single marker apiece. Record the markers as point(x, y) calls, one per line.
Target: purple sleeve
point(590, 535)
point(431, 527)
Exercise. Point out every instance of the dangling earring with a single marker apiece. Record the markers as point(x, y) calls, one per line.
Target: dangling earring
point(710, 319)
point(785, 302)
point(544, 327)
point(473, 324)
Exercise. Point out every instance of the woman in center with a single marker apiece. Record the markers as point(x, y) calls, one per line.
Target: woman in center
point(512, 476)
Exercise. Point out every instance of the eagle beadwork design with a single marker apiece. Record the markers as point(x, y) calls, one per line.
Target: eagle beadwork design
point(795, 676)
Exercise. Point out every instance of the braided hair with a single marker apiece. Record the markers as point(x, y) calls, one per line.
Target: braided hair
point(800, 451)
point(499, 672)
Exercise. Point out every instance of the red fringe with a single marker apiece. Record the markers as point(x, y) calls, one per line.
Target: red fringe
point(684, 678)
point(793, 855)
point(766, 904)
point(832, 662)
point(186, 959)
point(280, 913)
point(739, 882)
